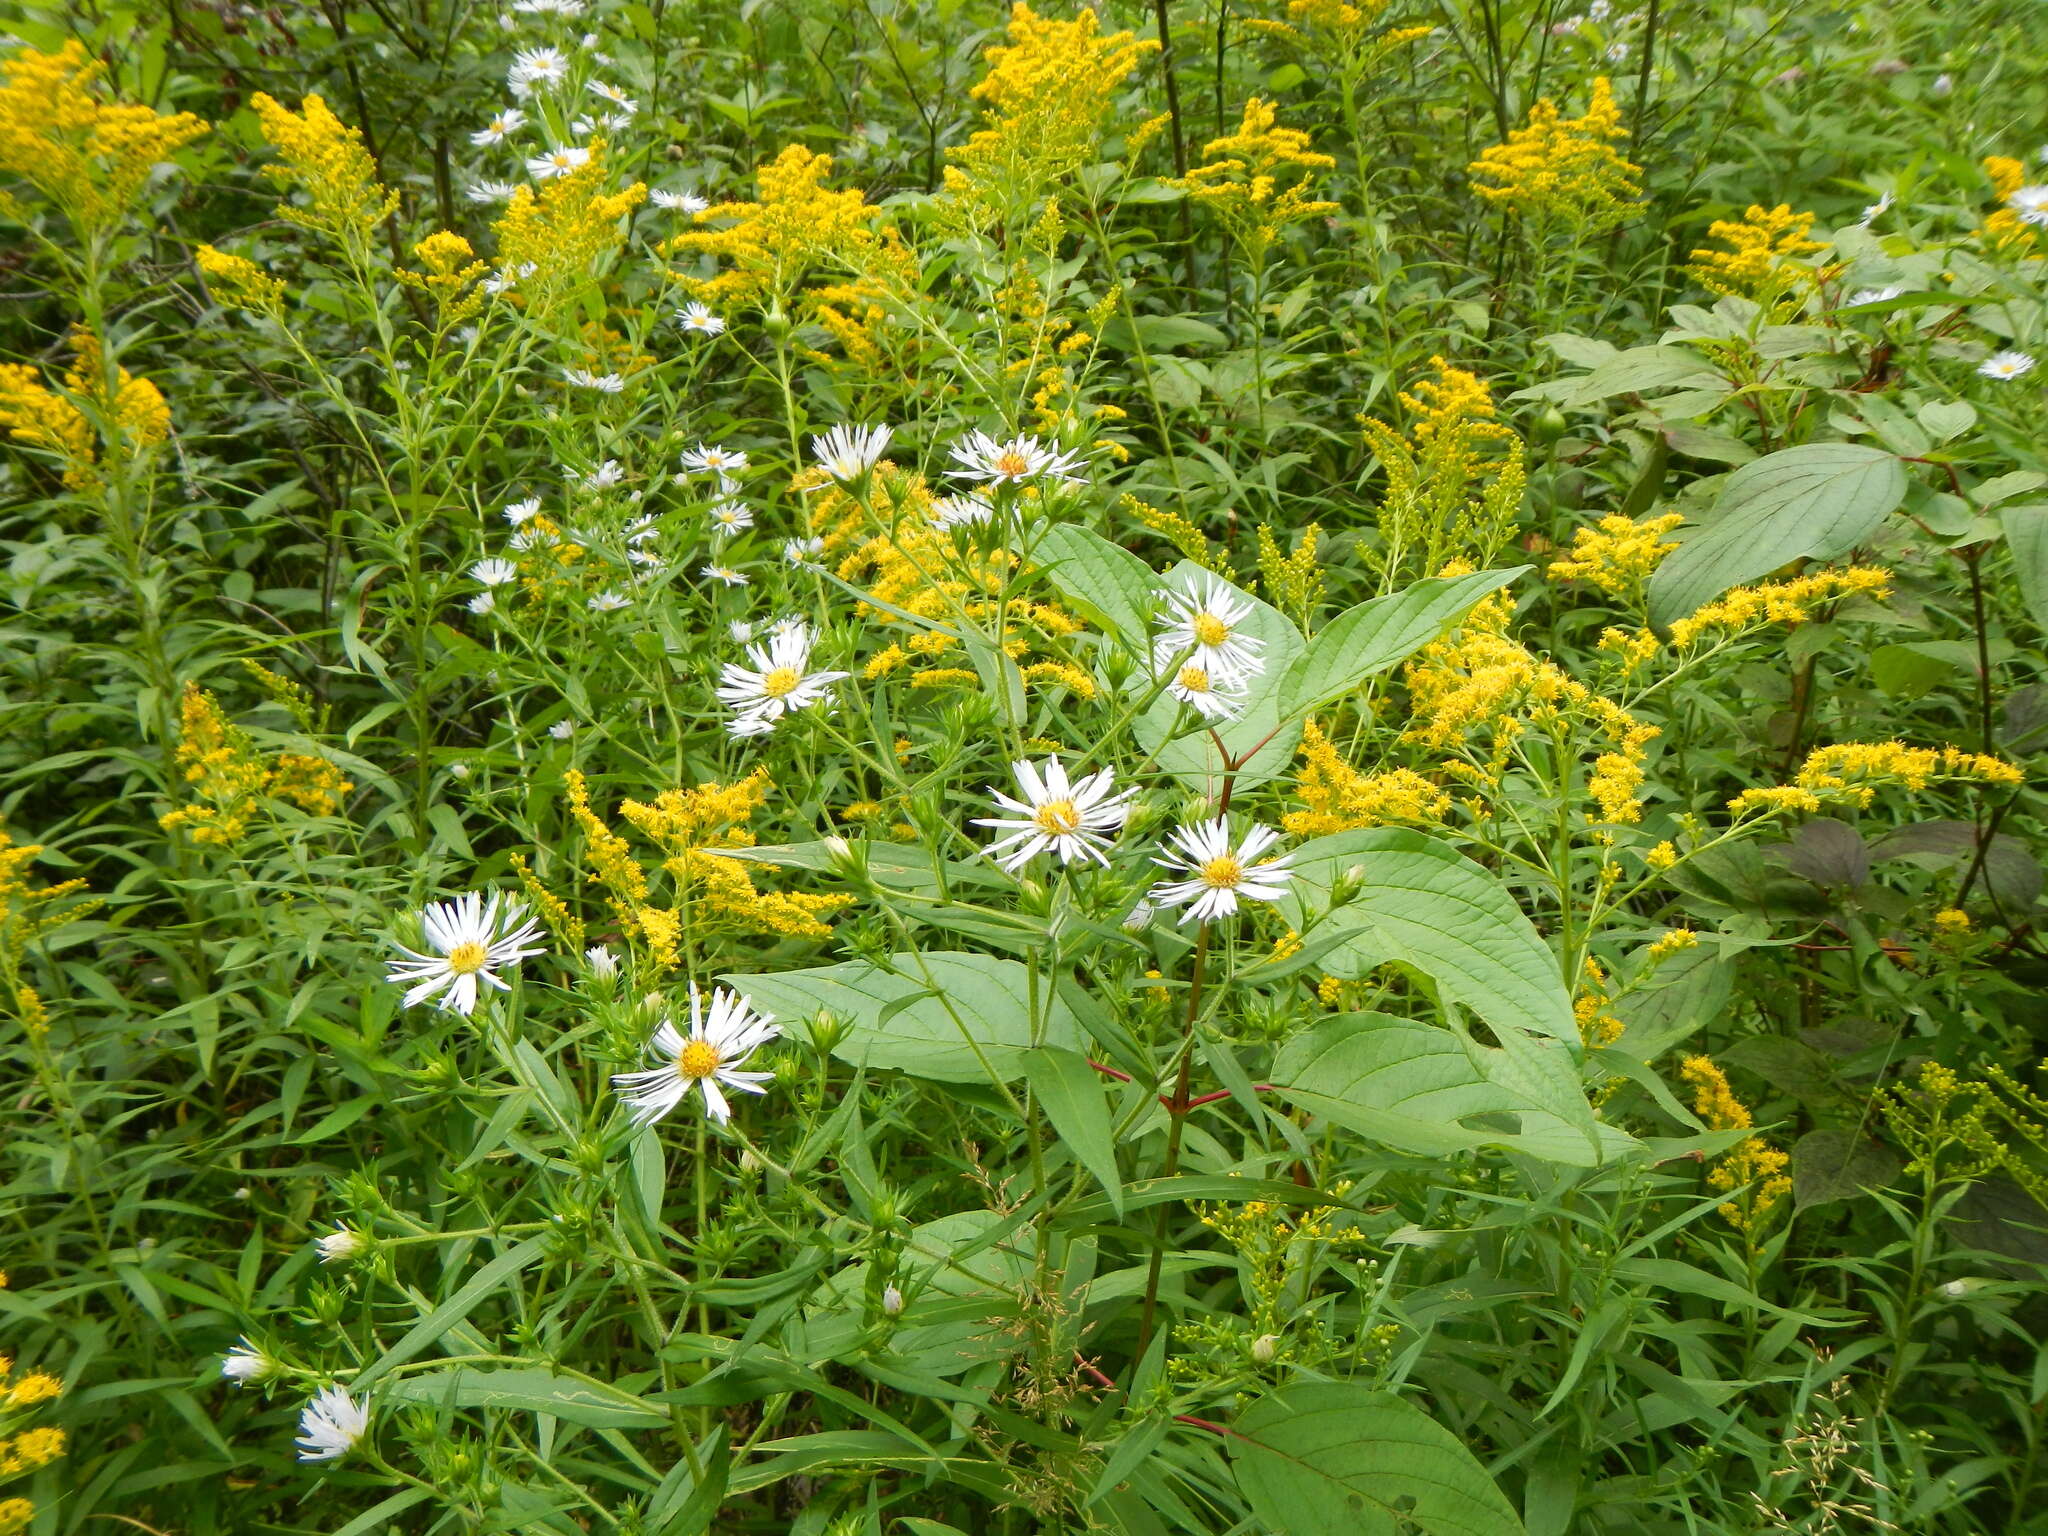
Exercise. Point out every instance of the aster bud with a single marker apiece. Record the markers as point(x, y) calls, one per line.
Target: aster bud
point(1264, 1347)
point(892, 1300)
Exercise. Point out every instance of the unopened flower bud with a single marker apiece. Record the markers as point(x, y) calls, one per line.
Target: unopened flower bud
point(892, 1300)
point(1264, 1347)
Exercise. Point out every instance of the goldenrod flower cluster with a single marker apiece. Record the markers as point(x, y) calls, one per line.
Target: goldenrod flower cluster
point(1618, 554)
point(1274, 1248)
point(228, 777)
point(1956, 1128)
point(2003, 230)
point(85, 153)
point(1750, 1160)
point(1673, 942)
point(1780, 602)
point(1179, 531)
point(890, 547)
point(1597, 1027)
point(1454, 479)
point(1338, 31)
point(325, 159)
point(1038, 345)
point(689, 827)
point(1849, 770)
point(1293, 582)
point(24, 1450)
point(549, 240)
point(1043, 101)
point(26, 912)
point(1765, 258)
point(1257, 180)
point(452, 270)
point(239, 281)
point(1563, 167)
point(88, 414)
point(798, 221)
point(1337, 798)
point(859, 313)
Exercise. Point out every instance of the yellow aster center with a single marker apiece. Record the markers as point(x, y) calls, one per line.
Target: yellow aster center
point(699, 1058)
point(781, 682)
point(468, 958)
point(1195, 679)
point(1209, 630)
point(1223, 872)
point(1057, 817)
point(1012, 465)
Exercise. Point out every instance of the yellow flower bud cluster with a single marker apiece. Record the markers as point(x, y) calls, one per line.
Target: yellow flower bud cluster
point(550, 240)
point(798, 222)
point(1765, 259)
point(90, 412)
point(325, 160)
point(1780, 602)
point(1563, 167)
point(228, 778)
point(1336, 797)
point(1454, 479)
point(27, 911)
point(239, 281)
point(1753, 1160)
point(1618, 554)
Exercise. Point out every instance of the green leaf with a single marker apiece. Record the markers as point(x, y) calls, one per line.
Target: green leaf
point(936, 1015)
point(1262, 737)
point(2026, 535)
point(1817, 501)
point(1159, 332)
point(528, 1389)
point(1341, 1459)
point(454, 1309)
point(1426, 905)
point(1374, 635)
point(1835, 1163)
point(1112, 587)
point(1643, 369)
point(1070, 1093)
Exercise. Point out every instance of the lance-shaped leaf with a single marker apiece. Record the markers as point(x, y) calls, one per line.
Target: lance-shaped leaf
point(1374, 635)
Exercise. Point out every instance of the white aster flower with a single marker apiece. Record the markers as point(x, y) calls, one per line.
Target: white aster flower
point(1072, 819)
point(729, 517)
point(1876, 209)
point(981, 457)
point(2006, 365)
point(483, 604)
point(517, 512)
point(609, 602)
point(602, 478)
point(246, 1363)
point(489, 192)
point(679, 202)
point(470, 940)
point(615, 122)
point(557, 162)
point(848, 453)
point(698, 319)
point(1212, 696)
point(960, 511)
point(613, 94)
point(726, 574)
point(802, 551)
point(719, 1043)
point(606, 383)
point(536, 66)
point(604, 965)
point(780, 680)
point(711, 459)
point(511, 120)
point(331, 1425)
point(343, 1243)
point(1205, 628)
point(643, 528)
point(1944, 84)
point(2030, 203)
point(494, 573)
point(1876, 295)
point(562, 730)
point(1218, 875)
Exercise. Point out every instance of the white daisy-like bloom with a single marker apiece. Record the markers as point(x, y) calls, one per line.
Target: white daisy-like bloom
point(582, 127)
point(494, 572)
point(1618, 51)
point(780, 680)
point(741, 630)
point(246, 1363)
point(2006, 365)
point(331, 1425)
point(711, 459)
point(558, 162)
point(604, 965)
point(643, 528)
point(483, 604)
point(699, 321)
point(730, 517)
point(536, 537)
point(536, 66)
point(611, 93)
point(471, 941)
point(604, 383)
point(615, 122)
point(517, 512)
point(343, 1243)
point(802, 551)
point(726, 574)
point(848, 453)
point(721, 1039)
point(562, 730)
point(1876, 295)
point(1876, 209)
point(2030, 203)
point(1204, 628)
point(1074, 819)
point(1210, 695)
point(609, 602)
point(511, 120)
point(1218, 876)
point(1022, 458)
point(679, 202)
point(489, 192)
point(960, 511)
point(602, 478)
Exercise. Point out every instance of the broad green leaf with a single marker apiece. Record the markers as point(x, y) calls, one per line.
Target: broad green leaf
point(1159, 332)
point(528, 1389)
point(1262, 736)
point(1643, 369)
point(1342, 1459)
point(939, 1015)
point(1374, 635)
point(1817, 501)
point(2026, 535)
point(1112, 586)
point(1070, 1092)
point(1836, 1163)
point(1426, 905)
point(454, 1309)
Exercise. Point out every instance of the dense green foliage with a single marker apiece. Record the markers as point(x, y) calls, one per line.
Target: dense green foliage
point(1538, 520)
